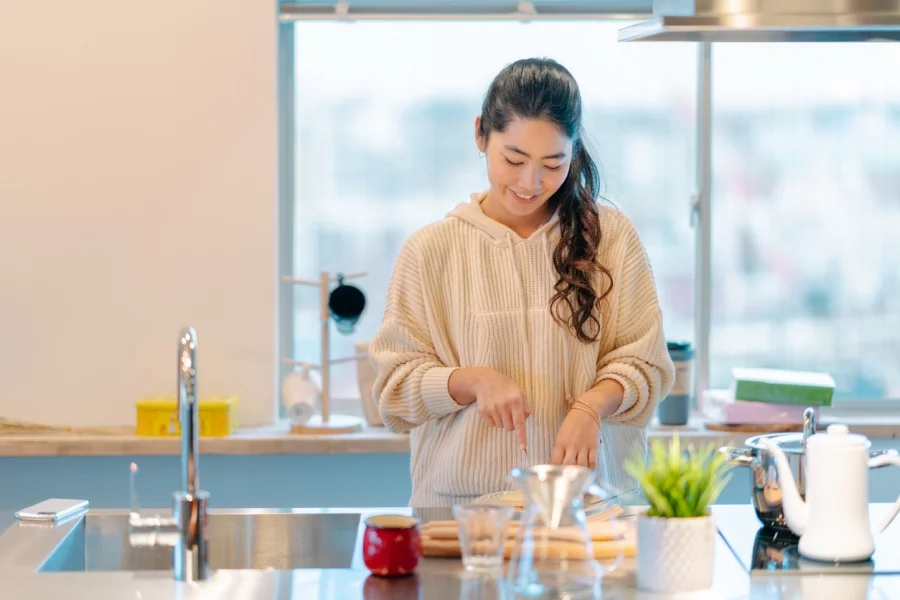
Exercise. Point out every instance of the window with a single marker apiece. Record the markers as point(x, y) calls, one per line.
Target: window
point(805, 167)
point(384, 144)
point(806, 210)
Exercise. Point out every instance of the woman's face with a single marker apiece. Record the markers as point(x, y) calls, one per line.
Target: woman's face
point(526, 165)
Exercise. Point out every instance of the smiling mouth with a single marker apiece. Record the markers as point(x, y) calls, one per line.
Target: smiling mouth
point(523, 197)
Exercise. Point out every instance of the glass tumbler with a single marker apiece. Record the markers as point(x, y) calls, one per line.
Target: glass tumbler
point(482, 535)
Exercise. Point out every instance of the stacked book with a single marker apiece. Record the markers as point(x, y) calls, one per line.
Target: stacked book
point(768, 396)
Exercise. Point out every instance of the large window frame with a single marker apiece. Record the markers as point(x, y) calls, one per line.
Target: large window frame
point(698, 206)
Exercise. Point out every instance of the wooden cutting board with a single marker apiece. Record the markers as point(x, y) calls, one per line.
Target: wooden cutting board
point(599, 531)
point(443, 548)
point(750, 428)
point(440, 539)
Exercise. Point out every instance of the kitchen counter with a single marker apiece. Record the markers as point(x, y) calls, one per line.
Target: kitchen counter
point(257, 440)
point(435, 579)
point(277, 439)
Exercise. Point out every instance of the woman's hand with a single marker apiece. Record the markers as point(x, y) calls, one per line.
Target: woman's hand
point(500, 402)
point(577, 441)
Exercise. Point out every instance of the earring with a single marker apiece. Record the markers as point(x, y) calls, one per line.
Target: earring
point(481, 155)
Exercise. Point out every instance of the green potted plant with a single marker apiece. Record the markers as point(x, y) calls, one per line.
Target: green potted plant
point(677, 534)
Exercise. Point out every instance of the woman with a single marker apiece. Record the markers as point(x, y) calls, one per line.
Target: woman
point(523, 328)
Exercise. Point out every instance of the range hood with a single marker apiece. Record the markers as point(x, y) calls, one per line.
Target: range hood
point(768, 21)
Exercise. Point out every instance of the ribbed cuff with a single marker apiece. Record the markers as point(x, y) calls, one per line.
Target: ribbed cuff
point(436, 393)
point(629, 398)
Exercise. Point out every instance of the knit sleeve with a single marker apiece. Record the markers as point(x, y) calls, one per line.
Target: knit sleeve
point(411, 380)
point(639, 359)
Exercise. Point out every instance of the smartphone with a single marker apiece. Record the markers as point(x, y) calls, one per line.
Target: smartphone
point(52, 509)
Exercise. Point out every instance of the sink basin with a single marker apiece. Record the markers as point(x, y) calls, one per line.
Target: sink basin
point(237, 540)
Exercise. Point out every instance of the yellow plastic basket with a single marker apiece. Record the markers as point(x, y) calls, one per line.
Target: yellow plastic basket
point(158, 416)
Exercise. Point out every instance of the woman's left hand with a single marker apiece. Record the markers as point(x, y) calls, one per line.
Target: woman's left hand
point(577, 441)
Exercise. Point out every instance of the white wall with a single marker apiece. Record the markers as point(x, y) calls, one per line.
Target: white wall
point(137, 195)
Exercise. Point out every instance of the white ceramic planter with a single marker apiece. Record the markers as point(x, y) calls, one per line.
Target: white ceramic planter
point(675, 555)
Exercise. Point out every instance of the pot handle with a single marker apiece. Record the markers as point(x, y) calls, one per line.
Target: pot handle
point(738, 456)
point(883, 459)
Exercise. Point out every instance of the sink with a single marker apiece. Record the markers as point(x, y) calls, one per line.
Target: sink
point(237, 540)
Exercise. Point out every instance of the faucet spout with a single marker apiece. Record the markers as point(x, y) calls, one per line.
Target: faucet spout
point(185, 532)
point(188, 411)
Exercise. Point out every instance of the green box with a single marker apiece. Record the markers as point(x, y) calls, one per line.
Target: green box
point(776, 386)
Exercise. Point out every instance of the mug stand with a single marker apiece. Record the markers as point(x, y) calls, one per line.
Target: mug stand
point(325, 423)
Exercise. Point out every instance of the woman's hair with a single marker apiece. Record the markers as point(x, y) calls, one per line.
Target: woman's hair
point(536, 88)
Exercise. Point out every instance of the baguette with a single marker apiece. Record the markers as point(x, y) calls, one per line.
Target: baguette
point(438, 548)
point(598, 530)
point(603, 516)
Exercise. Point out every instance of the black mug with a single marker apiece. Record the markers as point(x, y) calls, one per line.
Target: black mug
point(346, 304)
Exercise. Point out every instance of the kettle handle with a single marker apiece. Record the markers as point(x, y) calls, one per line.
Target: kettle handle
point(883, 459)
point(875, 458)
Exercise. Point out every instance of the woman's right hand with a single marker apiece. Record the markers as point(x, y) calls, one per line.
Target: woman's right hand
point(500, 402)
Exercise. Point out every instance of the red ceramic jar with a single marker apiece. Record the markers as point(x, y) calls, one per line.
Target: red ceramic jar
point(391, 545)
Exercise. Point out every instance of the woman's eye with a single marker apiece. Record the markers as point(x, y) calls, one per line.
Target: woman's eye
point(511, 163)
point(556, 168)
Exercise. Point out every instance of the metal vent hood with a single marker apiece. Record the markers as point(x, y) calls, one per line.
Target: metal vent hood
point(768, 21)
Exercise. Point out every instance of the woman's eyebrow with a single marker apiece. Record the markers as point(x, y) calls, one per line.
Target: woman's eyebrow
point(526, 155)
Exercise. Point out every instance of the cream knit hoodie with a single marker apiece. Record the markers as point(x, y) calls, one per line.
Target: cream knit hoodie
point(467, 291)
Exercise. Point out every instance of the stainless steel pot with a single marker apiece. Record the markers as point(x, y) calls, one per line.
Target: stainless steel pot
point(765, 489)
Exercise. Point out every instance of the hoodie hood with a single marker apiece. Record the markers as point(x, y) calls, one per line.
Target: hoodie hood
point(501, 235)
point(471, 213)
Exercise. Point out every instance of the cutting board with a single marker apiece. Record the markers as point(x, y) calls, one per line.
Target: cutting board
point(554, 549)
point(610, 538)
point(751, 428)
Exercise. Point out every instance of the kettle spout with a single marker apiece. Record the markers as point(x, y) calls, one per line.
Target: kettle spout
point(796, 511)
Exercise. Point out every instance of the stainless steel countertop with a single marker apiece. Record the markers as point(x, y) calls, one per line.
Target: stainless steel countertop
point(435, 579)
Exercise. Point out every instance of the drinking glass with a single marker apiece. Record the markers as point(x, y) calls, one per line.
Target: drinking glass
point(482, 534)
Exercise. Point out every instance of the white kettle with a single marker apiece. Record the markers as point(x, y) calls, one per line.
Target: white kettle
point(833, 523)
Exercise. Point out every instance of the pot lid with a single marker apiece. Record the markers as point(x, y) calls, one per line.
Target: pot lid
point(790, 443)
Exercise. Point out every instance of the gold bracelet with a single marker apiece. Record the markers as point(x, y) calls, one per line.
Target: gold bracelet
point(588, 411)
point(589, 407)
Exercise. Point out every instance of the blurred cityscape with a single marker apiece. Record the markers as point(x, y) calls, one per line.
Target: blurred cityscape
point(806, 178)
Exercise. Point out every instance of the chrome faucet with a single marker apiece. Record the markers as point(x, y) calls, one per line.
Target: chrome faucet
point(186, 530)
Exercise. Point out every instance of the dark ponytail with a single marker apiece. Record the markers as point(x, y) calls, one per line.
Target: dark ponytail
point(543, 89)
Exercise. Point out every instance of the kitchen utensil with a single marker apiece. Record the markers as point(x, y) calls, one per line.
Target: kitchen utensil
point(765, 488)
point(833, 522)
point(346, 304)
point(391, 545)
point(300, 394)
point(482, 534)
point(554, 508)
